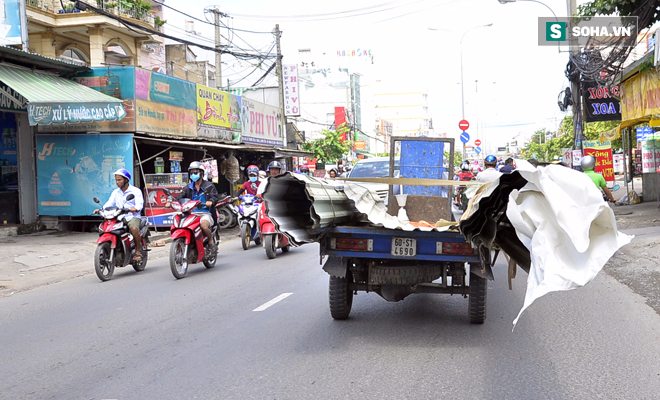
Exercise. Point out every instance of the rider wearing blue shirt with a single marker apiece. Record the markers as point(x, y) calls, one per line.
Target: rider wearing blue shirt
point(204, 191)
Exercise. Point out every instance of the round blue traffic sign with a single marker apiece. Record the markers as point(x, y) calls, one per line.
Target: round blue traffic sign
point(465, 137)
point(477, 149)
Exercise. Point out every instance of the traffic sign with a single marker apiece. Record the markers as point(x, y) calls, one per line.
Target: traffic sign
point(477, 149)
point(477, 142)
point(465, 137)
point(464, 125)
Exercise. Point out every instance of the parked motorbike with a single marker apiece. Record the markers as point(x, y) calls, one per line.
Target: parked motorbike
point(247, 219)
point(188, 241)
point(116, 245)
point(226, 214)
point(272, 239)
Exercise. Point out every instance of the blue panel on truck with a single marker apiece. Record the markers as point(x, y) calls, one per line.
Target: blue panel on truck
point(426, 160)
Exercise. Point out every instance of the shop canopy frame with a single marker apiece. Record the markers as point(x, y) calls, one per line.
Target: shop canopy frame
point(51, 99)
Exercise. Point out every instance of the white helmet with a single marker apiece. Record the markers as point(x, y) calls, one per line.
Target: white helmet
point(588, 163)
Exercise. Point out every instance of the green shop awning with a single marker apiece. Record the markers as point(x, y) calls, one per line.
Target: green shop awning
point(54, 100)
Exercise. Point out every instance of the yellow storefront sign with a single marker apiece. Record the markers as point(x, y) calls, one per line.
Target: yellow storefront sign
point(217, 108)
point(166, 119)
point(640, 96)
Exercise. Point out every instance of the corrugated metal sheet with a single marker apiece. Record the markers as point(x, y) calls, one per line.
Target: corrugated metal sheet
point(302, 207)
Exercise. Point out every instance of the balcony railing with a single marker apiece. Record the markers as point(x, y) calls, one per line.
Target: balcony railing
point(124, 8)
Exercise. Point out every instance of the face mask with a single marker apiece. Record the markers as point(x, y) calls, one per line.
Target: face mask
point(194, 177)
point(253, 179)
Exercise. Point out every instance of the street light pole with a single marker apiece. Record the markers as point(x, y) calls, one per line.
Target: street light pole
point(462, 90)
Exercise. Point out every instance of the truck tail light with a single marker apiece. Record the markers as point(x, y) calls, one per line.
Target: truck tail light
point(352, 244)
point(454, 248)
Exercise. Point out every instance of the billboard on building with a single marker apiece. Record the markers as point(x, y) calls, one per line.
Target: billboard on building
point(291, 90)
point(11, 31)
point(73, 169)
point(218, 114)
point(262, 123)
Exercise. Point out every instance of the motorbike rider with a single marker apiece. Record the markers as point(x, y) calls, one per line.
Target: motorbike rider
point(118, 199)
point(250, 186)
point(490, 173)
point(508, 166)
point(588, 164)
point(333, 173)
point(464, 175)
point(304, 169)
point(204, 191)
point(274, 169)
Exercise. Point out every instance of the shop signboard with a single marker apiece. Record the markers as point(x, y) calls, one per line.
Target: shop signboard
point(74, 113)
point(262, 123)
point(164, 104)
point(601, 103)
point(603, 154)
point(73, 169)
point(114, 81)
point(218, 115)
point(11, 100)
point(640, 96)
point(291, 90)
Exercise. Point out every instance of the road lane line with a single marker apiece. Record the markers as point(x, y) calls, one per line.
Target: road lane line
point(274, 301)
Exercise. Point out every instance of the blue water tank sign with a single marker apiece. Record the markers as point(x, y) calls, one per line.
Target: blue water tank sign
point(465, 137)
point(477, 149)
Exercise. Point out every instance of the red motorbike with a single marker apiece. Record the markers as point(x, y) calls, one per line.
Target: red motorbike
point(271, 239)
point(116, 245)
point(188, 240)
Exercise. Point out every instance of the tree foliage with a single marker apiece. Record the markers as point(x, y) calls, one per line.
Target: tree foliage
point(545, 148)
point(329, 148)
point(624, 8)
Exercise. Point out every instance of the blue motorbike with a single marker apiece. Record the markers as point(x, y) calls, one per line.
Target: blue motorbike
point(247, 220)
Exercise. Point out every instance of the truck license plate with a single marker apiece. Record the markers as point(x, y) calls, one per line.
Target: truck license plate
point(404, 247)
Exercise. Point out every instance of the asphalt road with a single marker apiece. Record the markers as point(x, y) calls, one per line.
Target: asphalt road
point(149, 336)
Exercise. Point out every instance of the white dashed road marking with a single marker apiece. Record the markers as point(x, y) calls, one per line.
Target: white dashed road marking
point(275, 300)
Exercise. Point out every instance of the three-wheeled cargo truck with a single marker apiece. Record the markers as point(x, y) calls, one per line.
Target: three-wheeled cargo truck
point(395, 263)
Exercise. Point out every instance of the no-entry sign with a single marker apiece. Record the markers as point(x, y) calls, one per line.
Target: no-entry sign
point(477, 142)
point(464, 125)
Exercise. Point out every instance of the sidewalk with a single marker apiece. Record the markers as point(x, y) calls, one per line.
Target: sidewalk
point(44, 258)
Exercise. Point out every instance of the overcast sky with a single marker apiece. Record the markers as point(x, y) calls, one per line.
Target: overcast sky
point(518, 81)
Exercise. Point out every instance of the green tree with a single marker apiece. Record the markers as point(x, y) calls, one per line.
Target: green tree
point(329, 148)
point(624, 8)
point(458, 158)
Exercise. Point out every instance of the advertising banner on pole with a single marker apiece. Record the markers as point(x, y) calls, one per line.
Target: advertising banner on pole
point(604, 159)
point(73, 169)
point(262, 124)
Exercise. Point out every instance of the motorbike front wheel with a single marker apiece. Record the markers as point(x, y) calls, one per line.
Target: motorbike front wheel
point(102, 265)
point(178, 264)
point(269, 244)
point(245, 236)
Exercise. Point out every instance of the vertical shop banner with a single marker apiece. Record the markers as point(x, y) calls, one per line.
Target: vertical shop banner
point(218, 115)
point(262, 124)
point(8, 152)
point(648, 156)
point(73, 169)
point(603, 154)
point(164, 104)
point(10, 22)
point(291, 90)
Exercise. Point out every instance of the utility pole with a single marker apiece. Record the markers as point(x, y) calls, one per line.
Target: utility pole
point(578, 128)
point(218, 48)
point(280, 83)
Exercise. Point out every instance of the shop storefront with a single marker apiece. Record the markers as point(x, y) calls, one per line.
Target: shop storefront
point(29, 98)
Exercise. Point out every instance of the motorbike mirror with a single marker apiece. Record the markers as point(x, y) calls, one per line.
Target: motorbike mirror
point(130, 197)
point(616, 187)
point(96, 200)
point(167, 192)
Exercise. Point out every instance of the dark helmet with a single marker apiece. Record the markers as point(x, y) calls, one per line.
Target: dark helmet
point(588, 163)
point(253, 170)
point(490, 159)
point(275, 164)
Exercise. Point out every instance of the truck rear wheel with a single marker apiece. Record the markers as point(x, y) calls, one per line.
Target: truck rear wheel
point(341, 296)
point(477, 306)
